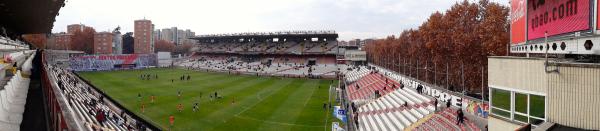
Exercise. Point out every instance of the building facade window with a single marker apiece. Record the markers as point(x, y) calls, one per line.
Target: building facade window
point(518, 106)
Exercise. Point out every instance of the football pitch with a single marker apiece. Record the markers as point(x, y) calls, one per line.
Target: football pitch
point(247, 103)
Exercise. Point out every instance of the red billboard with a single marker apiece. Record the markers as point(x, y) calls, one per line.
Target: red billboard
point(556, 17)
point(597, 14)
point(517, 21)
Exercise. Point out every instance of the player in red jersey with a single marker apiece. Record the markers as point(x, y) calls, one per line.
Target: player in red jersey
point(171, 121)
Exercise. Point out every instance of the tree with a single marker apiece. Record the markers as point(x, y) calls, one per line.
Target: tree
point(496, 26)
point(128, 43)
point(458, 40)
point(37, 40)
point(83, 40)
point(164, 46)
point(184, 48)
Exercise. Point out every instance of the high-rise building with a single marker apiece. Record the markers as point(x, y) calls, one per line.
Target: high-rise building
point(166, 34)
point(189, 34)
point(72, 28)
point(103, 43)
point(62, 41)
point(143, 37)
point(152, 40)
point(175, 35)
point(157, 35)
point(181, 36)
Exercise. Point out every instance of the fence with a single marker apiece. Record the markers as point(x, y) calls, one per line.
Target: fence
point(57, 109)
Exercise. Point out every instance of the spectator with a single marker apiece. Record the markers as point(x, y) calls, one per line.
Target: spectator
point(461, 117)
point(435, 103)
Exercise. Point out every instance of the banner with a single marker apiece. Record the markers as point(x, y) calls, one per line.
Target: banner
point(335, 126)
point(339, 113)
point(111, 62)
point(556, 17)
point(476, 108)
point(517, 21)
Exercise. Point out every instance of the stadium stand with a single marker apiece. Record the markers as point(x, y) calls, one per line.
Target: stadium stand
point(393, 107)
point(264, 66)
point(385, 104)
point(13, 95)
point(271, 48)
point(8, 44)
point(294, 53)
point(446, 120)
point(111, 62)
point(389, 112)
point(90, 106)
point(398, 108)
point(356, 73)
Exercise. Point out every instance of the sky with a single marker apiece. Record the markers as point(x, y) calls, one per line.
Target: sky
point(351, 19)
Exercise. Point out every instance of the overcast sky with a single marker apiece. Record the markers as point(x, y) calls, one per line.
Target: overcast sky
point(350, 18)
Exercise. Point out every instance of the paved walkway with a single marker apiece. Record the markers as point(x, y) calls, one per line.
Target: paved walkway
point(34, 117)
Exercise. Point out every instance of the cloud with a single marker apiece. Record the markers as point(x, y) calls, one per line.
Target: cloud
point(350, 18)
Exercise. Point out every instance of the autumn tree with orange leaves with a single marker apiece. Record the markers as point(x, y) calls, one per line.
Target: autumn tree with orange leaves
point(184, 48)
point(164, 46)
point(83, 40)
point(37, 40)
point(450, 49)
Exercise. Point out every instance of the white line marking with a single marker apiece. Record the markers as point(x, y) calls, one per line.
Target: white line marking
point(279, 123)
point(260, 100)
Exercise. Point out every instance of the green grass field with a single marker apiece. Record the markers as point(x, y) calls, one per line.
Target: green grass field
point(261, 103)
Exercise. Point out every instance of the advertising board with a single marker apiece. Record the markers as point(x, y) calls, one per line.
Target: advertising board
point(556, 17)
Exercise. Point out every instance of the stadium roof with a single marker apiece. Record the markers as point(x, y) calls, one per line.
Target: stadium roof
point(282, 34)
point(29, 16)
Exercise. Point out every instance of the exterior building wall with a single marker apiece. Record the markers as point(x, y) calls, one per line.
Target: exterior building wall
point(142, 36)
point(74, 28)
point(103, 43)
point(167, 35)
point(574, 96)
point(152, 40)
point(157, 35)
point(62, 41)
point(355, 55)
point(501, 125)
point(180, 37)
point(174, 35)
point(526, 74)
point(117, 47)
point(51, 42)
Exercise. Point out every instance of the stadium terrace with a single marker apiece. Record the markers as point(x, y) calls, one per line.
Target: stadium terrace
point(470, 68)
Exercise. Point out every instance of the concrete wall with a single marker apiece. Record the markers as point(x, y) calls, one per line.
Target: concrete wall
point(520, 74)
point(574, 95)
point(495, 124)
